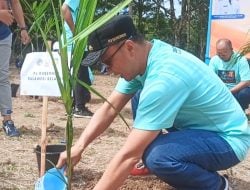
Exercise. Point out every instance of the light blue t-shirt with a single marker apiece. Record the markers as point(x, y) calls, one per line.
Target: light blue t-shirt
point(74, 6)
point(233, 71)
point(179, 89)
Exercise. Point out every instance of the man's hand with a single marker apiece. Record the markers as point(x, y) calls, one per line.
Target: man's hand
point(25, 37)
point(6, 17)
point(75, 156)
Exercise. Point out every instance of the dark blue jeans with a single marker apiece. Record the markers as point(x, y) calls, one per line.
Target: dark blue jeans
point(243, 97)
point(190, 159)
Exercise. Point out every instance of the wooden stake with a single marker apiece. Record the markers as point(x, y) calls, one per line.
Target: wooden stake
point(44, 129)
point(43, 136)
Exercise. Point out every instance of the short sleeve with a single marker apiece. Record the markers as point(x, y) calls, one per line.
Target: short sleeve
point(73, 4)
point(128, 87)
point(244, 70)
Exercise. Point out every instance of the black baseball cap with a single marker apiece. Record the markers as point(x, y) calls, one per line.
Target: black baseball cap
point(119, 28)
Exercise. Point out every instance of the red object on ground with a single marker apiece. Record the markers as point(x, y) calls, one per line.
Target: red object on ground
point(139, 170)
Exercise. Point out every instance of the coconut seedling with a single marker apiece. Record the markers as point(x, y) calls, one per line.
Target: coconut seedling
point(66, 83)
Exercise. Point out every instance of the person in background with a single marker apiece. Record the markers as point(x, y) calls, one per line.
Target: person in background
point(104, 69)
point(81, 94)
point(233, 69)
point(177, 89)
point(10, 11)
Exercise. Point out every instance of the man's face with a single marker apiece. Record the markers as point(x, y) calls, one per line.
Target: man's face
point(118, 60)
point(224, 53)
point(109, 55)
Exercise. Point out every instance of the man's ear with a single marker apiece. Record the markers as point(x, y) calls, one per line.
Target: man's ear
point(130, 46)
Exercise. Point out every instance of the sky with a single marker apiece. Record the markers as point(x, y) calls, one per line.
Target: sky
point(176, 5)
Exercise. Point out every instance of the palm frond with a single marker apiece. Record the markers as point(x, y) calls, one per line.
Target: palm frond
point(245, 49)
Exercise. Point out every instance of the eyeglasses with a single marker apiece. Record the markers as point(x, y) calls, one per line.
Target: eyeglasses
point(108, 61)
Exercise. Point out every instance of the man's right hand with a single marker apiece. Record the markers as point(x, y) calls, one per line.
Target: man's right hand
point(6, 17)
point(75, 156)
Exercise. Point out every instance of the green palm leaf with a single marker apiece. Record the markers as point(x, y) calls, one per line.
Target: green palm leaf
point(84, 27)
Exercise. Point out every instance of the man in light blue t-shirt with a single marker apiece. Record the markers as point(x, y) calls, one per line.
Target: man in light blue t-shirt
point(207, 129)
point(233, 70)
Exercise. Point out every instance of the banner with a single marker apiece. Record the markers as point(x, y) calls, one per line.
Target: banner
point(228, 19)
point(38, 76)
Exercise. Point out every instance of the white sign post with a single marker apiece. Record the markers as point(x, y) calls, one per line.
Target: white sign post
point(38, 79)
point(38, 76)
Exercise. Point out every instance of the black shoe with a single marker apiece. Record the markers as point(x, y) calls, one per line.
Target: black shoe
point(82, 113)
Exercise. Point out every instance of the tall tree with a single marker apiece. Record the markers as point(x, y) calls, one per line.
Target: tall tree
point(160, 19)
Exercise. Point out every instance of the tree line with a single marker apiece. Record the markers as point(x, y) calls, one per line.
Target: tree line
point(182, 23)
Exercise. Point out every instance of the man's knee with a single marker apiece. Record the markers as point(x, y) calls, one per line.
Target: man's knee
point(156, 162)
point(244, 97)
